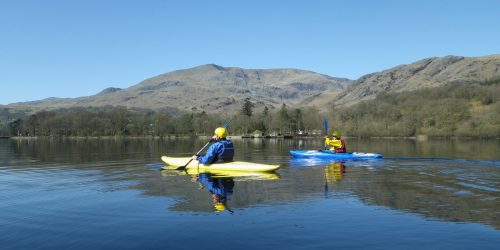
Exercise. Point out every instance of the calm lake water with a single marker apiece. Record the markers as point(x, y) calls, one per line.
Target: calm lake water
point(110, 194)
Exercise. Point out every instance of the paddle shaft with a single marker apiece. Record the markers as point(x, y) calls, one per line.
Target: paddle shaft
point(197, 153)
point(325, 128)
point(326, 182)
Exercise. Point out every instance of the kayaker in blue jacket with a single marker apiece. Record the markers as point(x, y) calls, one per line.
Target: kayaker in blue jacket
point(221, 151)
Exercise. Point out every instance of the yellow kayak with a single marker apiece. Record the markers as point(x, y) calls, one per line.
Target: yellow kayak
point(226, 166)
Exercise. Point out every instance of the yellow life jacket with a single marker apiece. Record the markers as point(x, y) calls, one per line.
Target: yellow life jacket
point(333, 143)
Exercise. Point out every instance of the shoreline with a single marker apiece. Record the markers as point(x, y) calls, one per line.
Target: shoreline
point(239, 137)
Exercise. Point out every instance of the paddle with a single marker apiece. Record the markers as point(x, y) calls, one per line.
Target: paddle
point(226, 124)
point(326, 182)
point(325, 129)
point(197, 153)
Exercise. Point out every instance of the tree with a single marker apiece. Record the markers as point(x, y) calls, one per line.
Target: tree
point(265, 120)
point(184, 125)
point(161, 124)
point(247, 108)
point(33, 125)
point(283, 117)
point(312, 119)
point(247, 111)
point(299, 122)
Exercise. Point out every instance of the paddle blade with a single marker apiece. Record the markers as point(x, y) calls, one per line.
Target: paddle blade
point(185, 165)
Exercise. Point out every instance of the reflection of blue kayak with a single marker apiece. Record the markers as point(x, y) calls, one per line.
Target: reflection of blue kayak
point(328, 154)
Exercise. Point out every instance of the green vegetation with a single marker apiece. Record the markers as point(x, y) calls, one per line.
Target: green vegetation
point(451, 110)
point(120, 121)
point(460, 110)
point(491, 81)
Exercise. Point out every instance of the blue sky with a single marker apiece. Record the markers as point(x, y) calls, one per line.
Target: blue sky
point(76, 48)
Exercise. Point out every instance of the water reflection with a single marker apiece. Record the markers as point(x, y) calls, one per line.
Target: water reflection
point(434, 189)
point(220, 185)
point(220, 189)
point(409, 180)
point(334, 172)
point(449, 190)
point(217, 173)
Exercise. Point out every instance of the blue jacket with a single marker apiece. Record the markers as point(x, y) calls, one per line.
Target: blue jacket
point(222, 187)
point(220, 151)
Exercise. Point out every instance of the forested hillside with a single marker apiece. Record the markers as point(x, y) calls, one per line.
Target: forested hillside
point(468, 110)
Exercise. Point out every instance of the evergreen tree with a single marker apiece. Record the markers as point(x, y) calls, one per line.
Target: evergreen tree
point(247, 108)
point(247, 111)
point(284, 118)
point(299, 122)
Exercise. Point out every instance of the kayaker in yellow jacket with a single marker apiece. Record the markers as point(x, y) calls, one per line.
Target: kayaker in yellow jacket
point(336, 143)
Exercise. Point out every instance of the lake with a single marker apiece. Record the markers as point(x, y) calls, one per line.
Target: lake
point(111, 194)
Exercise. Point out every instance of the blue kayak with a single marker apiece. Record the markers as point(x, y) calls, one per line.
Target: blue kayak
point(328, 154)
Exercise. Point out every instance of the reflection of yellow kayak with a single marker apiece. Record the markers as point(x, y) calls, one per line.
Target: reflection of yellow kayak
point(240, 175)
point(227, 166)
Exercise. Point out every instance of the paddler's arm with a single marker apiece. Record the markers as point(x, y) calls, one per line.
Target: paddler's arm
point(214, 138)
point(328, 141)
point(209, 157)
point(336, 143)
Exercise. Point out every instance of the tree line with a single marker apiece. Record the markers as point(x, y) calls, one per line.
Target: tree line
point(121, 121)
point(460, 110)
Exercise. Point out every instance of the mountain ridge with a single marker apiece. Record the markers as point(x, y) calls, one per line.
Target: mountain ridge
point(214, 88)
point(210, 88)
point(427, 72)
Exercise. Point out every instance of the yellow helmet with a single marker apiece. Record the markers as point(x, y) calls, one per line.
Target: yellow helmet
point(336, 133)
point(220, 132)
point(219, 206)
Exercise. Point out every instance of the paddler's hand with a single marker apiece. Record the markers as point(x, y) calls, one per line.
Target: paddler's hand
point(194, 157)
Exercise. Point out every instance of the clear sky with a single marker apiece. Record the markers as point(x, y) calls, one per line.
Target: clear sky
point(76, 48)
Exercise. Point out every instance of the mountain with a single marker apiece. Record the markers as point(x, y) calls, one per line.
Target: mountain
point(429, 72)
point(213, 88)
